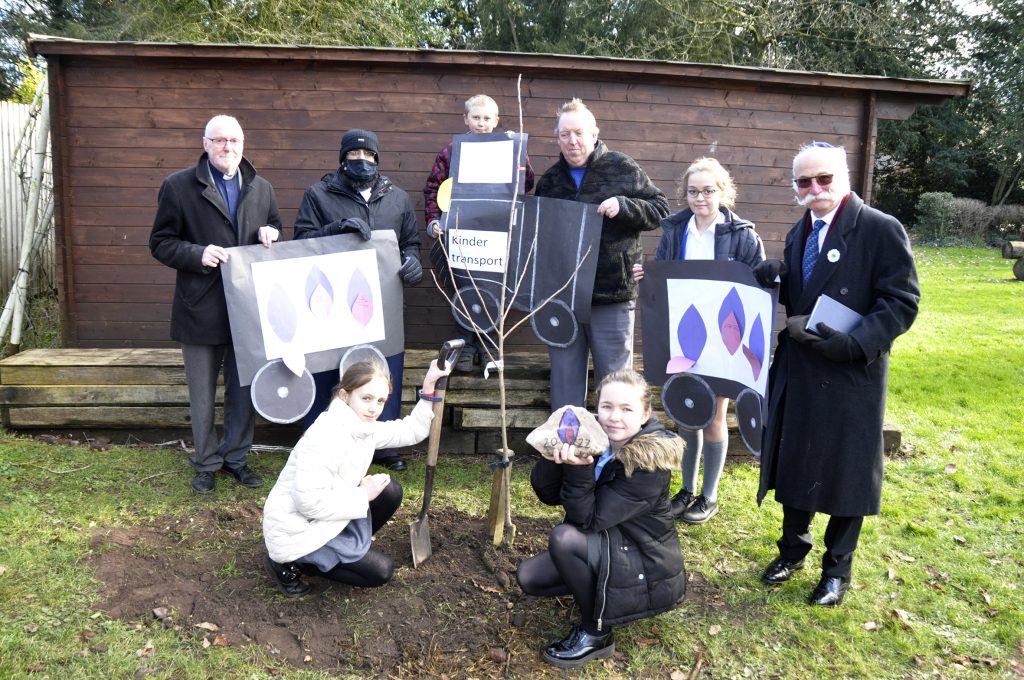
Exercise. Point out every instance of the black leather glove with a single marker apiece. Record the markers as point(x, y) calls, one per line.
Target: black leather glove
point(766, 272)
point(349, 225)
point(837, 346)
point(796, 327)
point(411, 271)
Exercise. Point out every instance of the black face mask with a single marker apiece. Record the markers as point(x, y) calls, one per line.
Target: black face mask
point(360, 171)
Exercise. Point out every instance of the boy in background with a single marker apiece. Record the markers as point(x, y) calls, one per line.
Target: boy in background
point(481, 117)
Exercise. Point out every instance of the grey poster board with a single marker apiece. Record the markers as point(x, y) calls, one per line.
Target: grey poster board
point(247, 330)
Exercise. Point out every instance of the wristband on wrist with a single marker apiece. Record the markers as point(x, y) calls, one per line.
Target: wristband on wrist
point(430, 397)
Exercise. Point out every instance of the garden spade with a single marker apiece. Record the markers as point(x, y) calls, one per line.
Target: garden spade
point(419, 528)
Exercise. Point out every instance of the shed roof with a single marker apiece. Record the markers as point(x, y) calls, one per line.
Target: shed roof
point(921, 90)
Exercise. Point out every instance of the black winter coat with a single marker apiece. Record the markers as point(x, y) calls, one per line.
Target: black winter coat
point(641, 207)
point(822, 449)
point(333, 199)
point(190, 215)
point(735, 240)
point(641, 571)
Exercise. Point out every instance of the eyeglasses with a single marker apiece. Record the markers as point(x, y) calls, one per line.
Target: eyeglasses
point(221, 141)
point(805, 182)
point(566, 135)
point(706, 193)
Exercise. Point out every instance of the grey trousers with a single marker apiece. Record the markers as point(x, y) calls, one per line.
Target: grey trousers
point(202, 366)
point(608, 337)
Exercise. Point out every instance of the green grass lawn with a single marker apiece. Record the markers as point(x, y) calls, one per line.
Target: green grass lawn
point(937, 580)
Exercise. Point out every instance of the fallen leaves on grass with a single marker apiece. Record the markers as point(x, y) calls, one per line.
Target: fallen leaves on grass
point(901, 617)
point(146, 651)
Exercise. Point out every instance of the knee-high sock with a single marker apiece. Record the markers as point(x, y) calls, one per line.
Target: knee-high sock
point(691, 457)
point(714, 462)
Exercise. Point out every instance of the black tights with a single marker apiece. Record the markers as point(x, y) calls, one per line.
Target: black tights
point(375, 568)
point(563, 569)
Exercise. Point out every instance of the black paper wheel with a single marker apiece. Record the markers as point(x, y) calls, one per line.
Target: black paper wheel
point(748, 416)
point(482, 306)
point(279, 395)
point(689, 400)
point(555, 324)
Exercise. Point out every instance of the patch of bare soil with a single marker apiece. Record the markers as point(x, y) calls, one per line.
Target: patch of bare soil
point(459, 614)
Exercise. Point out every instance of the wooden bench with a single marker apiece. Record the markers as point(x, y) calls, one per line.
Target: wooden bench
point(145, 390)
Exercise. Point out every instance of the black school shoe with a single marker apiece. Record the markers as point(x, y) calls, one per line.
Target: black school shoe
point(700, 511)
point(579, 648)
point(393, 463)
point(287, 577)
point(244, 476)
point(203, 482)
point(681, 502)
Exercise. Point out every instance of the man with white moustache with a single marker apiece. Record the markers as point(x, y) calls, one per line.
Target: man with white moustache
point(822, 448)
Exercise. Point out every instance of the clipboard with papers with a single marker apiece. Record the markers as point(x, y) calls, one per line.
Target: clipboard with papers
point(833, 314)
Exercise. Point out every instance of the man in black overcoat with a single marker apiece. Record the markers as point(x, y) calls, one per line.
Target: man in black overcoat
point(822, 448)
point(218, 203)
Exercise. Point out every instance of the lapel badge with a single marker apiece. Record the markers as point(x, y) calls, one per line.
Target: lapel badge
point(833, 255)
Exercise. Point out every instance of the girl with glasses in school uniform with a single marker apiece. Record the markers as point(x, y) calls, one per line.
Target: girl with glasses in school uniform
point(707, 229)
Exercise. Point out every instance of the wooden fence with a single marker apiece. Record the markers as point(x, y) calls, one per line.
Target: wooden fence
point(15, 166)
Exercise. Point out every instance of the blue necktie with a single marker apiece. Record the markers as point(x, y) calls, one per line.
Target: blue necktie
point(811, 249)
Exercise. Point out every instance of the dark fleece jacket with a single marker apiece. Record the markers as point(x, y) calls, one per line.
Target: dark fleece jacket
point(641, 207)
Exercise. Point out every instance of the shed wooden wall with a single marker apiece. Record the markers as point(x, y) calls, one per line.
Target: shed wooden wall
point(124, 123)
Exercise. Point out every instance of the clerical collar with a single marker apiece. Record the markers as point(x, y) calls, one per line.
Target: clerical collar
point(216, 172)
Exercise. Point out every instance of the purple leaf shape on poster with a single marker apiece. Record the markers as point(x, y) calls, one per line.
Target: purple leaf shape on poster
point(319, 293)
point(360, 298)
point(731, 321)
point(568, 427)
point(281, 314)
point(755, 351)
point(693, 336)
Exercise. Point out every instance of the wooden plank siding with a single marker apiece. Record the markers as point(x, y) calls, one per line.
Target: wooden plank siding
point(127, 115)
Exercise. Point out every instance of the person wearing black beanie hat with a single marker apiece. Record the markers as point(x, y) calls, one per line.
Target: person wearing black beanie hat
point(356, 193)
point(359, 139)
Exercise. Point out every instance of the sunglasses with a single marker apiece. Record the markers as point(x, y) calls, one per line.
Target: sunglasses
point(805, 182)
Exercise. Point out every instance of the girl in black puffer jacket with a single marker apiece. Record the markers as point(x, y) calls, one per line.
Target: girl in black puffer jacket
point(617, 552)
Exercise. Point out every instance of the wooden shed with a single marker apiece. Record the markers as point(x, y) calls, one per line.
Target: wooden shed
point(125, 115)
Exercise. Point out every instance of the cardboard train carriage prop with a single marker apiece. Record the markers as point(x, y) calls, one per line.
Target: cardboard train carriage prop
point(707, 329)
point(497, 236)
point(297, 307)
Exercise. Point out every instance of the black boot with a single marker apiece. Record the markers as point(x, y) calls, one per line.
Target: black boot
point(287, 577)
point(579, 648)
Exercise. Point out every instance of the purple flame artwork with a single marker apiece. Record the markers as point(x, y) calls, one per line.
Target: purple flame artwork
point(755, 351)
point(360, 298)
point(731, 321)
point(693, 336)
point(319, 293)
point(281, 314)
point(568, 427)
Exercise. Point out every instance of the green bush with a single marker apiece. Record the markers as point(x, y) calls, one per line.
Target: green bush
point(972, 219)
point(934, 216)
point(1007, 222)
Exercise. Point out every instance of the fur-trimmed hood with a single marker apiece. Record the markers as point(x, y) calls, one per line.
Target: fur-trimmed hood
point(653, 448)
